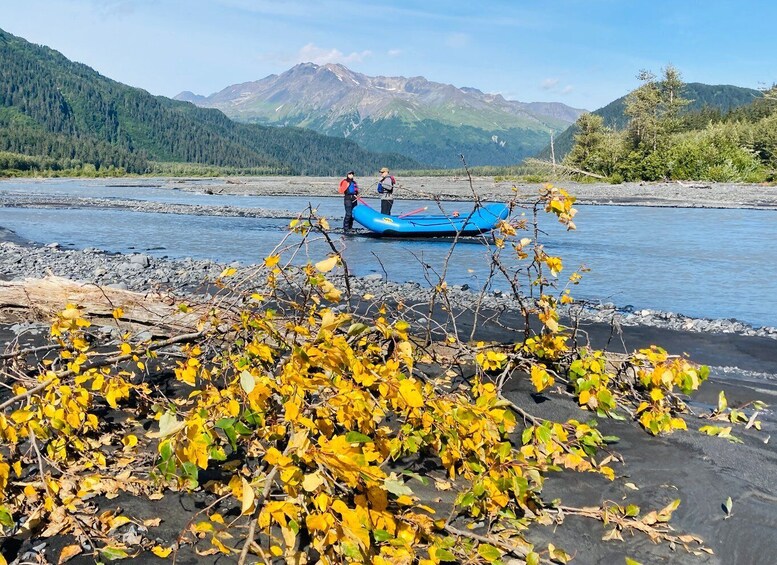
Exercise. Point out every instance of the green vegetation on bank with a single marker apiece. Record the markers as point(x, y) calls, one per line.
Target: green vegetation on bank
point(662, 142)
point(67, 119)
point(705, 100)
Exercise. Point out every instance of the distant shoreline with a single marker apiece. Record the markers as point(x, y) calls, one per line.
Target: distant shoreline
point(457, 188)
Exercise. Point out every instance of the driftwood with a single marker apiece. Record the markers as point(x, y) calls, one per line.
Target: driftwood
point(563, 167)
point(41, 299)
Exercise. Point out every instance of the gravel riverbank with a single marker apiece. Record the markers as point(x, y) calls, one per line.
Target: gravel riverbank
point(142, 272)
point(672, 194)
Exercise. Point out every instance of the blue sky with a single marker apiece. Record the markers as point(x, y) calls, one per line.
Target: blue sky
point(584, 53)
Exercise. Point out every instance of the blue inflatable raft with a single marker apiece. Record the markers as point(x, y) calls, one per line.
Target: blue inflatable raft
point(481, 220)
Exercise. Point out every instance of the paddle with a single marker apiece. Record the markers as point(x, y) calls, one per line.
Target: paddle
point(405, 215)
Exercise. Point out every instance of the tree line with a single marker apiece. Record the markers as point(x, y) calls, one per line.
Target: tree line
point(661, 141)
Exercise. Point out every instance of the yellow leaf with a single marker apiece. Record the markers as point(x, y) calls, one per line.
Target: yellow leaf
point(118, 521)
point(129, 441)
point(118, 313)
point(656, 394)
point(228, 272)
point(160, 551)
point(247, 382)
point(312, 481)
point(276, 551)
point(327, 265)
point(409, 391)
point(67, 553)
point(271, 261)
point(248, 496)
point(221, 547)
point(126, 349)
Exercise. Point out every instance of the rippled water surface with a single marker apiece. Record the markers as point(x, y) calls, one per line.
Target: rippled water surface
point(700, 262)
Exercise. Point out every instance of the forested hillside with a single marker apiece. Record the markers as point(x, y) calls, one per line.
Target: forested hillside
point(59, 115)
point(704, 99)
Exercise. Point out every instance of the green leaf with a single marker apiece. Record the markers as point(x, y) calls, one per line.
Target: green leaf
point(444, 555)
point(6, 518)
point(423, 480)
point(381, 535)
point(225, 423)
point(489, 552)
point(544, 434)
point(253, 418)
point(533, 558)
point(242, 429)
point(351, 551)
point(630, 561)
point(467, 500)
point(357, 437)
point(357, 328)
point(113, 553)
point(396, 486)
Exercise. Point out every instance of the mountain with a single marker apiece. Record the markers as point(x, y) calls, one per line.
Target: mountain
point(68, 115)
point(722, 98)
point(429, 121)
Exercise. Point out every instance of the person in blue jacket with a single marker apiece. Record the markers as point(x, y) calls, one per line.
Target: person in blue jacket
point(350, 192)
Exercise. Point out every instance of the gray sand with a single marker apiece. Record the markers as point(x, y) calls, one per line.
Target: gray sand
point(686, 194)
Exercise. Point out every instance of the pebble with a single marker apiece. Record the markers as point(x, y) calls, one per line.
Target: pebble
point(141, 272)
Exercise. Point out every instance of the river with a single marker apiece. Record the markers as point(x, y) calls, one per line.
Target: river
point(706, 263)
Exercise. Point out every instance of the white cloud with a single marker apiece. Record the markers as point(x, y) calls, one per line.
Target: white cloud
point(549, 83)
point(312, 53)
point(567, 89)
point(394, 52)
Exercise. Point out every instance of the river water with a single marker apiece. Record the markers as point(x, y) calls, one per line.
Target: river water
point(707, 263)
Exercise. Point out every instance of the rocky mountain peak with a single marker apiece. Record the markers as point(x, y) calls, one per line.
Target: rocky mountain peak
point(386, 111)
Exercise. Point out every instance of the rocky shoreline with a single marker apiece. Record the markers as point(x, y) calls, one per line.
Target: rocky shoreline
point(142, 272)
point(20, 259)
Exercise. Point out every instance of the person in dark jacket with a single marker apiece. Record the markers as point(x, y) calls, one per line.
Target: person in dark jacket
point(350, 191)
point(386, 186)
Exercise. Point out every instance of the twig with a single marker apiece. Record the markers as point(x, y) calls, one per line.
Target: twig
point(509, 548)
point(179, 540)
